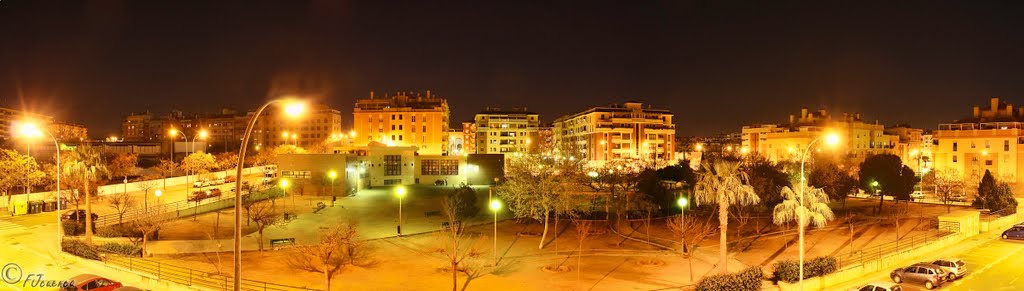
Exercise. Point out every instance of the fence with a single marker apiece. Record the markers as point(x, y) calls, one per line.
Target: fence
point(190, 277)
point(179, 209)
point(859, 257)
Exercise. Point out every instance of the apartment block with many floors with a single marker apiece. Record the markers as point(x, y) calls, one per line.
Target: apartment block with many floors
point(787, 141)
point(618, 131)
point(505, 131)
point(403, 119)
point(991, 139)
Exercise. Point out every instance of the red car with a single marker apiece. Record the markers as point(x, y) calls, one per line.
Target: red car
point(91, 282)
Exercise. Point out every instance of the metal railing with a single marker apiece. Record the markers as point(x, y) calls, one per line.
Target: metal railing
point(993, 215)
point(140, 213)
point(190, 277)
point(874, 253)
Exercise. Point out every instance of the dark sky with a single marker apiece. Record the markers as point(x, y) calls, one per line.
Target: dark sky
point(716, 64)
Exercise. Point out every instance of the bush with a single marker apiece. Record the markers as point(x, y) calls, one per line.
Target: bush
point(72, 228)
point(122, 249)
point(749, 279)
point(789, 270)
point(80, 248)
point(119, 230)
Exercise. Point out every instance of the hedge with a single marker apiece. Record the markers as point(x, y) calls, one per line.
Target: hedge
point(80, 248)
point(789, 270)
point(122, 249)
point(746, 280)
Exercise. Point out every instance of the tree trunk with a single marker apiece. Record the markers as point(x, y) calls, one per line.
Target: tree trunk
point(144, 241)
point(689, 258)
point(455, 278)
point(88, 211)
point(327, 276)
point(881, 199)
point(723, 222)
point(544, 235)
point(261, 239)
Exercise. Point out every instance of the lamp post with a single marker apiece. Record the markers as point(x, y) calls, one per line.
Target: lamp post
point(292, 109)
point(495, 206)
point(682, 223)
point(830, 139)
point(400, 192)
point(158, 193)
point(334, 196)
point(188, 149)
point(31, 130)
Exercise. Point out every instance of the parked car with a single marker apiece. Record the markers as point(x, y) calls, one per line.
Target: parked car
point(958, 198)
point(956, 268)
point(217, 181)
point(127, 288)
point(267, 181)
point(77, 214)
point(200, 183)
point(917, 196)
point(197, 196)
point(879, 286)
point(245, 186)
point(930, 275)
point(92, 283)
point(1015, 232)
point(213, 192)
point(229, 179)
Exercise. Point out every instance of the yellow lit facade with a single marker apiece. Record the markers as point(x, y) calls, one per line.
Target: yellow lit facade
point(315, 126)
point(990, 140)
point(505, 131)
point(403, 119)
point(619, 131)
point(781, 142)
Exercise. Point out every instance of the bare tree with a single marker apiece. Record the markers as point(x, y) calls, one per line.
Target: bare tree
point(948, 184)
point(166, 168)
point(148, 182)
point(264, 214)
point(337, 247)
point(691, 233)
point(897, 214)
point(583, 228)
point(148, 226)
point(121, 202)
point(454, 245)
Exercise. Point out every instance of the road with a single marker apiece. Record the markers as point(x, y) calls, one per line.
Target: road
point(993, 265)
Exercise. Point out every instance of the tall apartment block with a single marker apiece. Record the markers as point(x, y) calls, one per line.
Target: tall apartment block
point(403, 119)
point(505, 131)
point(618, 131)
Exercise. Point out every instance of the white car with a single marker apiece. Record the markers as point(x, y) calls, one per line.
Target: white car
point(917, 195)
point(200, 184)
point(955, 267)
point(879, 286)
point(217, 181)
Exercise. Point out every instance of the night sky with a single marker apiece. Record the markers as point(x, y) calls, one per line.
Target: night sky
point(716, 64)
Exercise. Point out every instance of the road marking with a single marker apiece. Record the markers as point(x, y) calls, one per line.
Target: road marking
point(988, 266)
point(6, 226)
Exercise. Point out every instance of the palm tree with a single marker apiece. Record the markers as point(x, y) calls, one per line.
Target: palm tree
point(722, 182)
point(88, 164)
point(815, 208)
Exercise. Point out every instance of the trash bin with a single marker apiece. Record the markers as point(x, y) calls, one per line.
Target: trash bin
point(35, 207)
point(50, 206)
point(19, 208)
point(63, 204)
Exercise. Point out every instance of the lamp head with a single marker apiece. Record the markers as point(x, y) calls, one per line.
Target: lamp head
point(284, 183)
point(173, 132)
point(682, 202)
point(29, 130)
point(400, 191)
point(158, 193)
point(332, 174)
point(832, 139)
point(203, 134)
point(294, 108)
point(495, 205)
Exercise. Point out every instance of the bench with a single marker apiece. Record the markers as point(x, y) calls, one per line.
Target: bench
point(278, 242)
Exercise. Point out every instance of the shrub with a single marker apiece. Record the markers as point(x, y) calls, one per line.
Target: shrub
point(72, 228)
point(789, 270)
point(748, 279)
point(120, 230)
point(80, 248)
point(121, 249)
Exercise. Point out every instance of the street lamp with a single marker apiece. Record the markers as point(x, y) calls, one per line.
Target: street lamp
point(293, 108)
point(158, 193)
point(174, 133)
point(400, 192)
point(333, 174)
point(495, 206)
point(31, 130)
point(682, 202)
point(831, 139)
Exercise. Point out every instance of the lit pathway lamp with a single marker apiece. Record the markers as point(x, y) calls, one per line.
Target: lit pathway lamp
point(158, 193)
point(334, 197)
point(495, 206)
point(682, 202)
point(400, 192)
point(31, 130)
point(284, 188)
point(292, 108)
point(831, 139)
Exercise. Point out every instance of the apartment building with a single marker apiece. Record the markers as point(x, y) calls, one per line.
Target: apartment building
point(787, 141)
point(403, 119)
point(991, 139)
point(618, 131)
point(316, 126)
point(505, 131)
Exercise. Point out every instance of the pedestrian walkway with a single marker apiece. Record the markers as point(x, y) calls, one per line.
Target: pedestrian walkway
point(7, 226)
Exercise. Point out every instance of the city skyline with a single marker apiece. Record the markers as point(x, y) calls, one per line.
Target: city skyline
point(708, 63)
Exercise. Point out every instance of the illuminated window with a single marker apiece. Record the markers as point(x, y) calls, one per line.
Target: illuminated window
point(392, 165)
point(439, 167)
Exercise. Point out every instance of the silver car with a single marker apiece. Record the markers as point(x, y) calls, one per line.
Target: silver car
point(955, 267)
point(879, 286)
point(928, 274)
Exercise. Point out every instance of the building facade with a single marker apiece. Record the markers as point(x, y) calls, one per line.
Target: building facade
point(68, 132)
point(403, 119)
point(618, 131)
point(787, 141)
point(505, 131)
point(9, 117)
point(468, 137)
point(315, 127)
point(991, 139)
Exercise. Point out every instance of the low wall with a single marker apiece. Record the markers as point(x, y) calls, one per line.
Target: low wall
point(892, 261)
point(133, 186)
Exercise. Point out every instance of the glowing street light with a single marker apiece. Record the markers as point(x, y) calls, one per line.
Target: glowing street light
point(400, 192)
point(158, 193)
point(333, 174)
point(294, 111)
point(831, 139)
point(31, 130)
point(495, 205)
